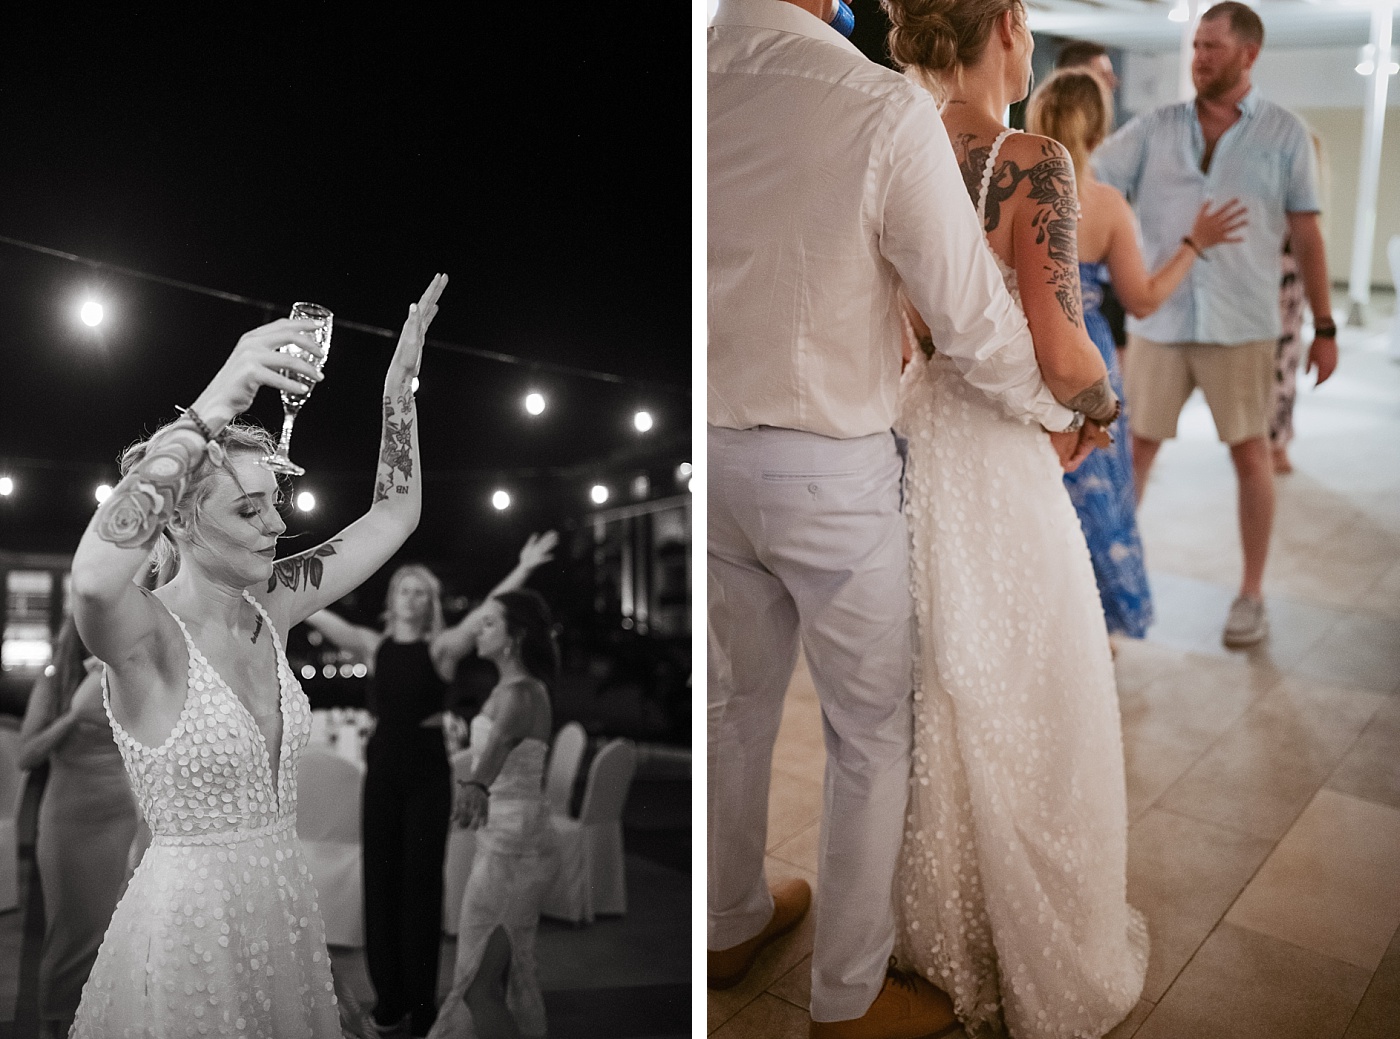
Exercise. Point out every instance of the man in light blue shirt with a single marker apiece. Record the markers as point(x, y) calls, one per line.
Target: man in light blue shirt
point(1219, 330)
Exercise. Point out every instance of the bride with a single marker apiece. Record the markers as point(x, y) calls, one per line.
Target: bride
point(1012, 882)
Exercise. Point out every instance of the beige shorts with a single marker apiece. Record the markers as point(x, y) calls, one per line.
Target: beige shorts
point(1237, 380)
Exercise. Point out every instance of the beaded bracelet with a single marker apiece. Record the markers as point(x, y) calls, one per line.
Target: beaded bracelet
point(200, 424)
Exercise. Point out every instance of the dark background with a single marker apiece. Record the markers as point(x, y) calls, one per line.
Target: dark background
point(324, 156)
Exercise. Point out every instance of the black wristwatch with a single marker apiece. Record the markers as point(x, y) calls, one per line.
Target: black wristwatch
point(1327, 331)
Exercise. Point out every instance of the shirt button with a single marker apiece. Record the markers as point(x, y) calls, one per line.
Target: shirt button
point(812, 487)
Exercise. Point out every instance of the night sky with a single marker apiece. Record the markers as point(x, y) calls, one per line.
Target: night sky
point(324, 157)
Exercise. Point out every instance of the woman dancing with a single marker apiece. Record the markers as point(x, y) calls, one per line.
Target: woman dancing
point(408, 782)
point(504, 800)
point(1074, 108)
point(1011, 889)
point(218, 932)
point(87, 823)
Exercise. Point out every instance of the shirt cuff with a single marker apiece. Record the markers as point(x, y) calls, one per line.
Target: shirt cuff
point(1053, 415)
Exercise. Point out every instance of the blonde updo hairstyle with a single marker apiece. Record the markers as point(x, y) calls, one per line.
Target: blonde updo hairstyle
point(1072, 107)
point(236, 438)
point(934, 40)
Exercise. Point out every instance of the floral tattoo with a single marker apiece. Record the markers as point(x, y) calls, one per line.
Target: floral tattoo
point(396, 448)
point(1056, 214)
point(144, 502)
point(302, 570)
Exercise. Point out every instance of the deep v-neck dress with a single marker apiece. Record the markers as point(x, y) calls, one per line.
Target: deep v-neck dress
point(219, 932)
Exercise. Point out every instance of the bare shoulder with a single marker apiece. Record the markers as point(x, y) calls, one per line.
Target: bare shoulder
point(1030, 149)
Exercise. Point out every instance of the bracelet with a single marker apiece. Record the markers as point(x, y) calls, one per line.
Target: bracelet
point(472, 782)
point(1194, 248)
point(199, 423)
point(1325, 331)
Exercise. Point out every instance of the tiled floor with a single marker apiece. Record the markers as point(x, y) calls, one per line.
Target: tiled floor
point(1263, 786)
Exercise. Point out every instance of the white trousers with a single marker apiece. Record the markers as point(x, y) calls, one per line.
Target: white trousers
point(807, 540)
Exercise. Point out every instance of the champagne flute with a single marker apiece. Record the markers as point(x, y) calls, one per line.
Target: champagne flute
point(280, 461)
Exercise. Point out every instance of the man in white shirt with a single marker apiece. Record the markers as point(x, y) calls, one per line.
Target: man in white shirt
point(831, 183)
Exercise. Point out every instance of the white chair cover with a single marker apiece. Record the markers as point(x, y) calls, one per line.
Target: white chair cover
point(329, 791)
point(591, 879)
point(564, 759)
point(461, 847)
point(11, 791)
point(1393, 249)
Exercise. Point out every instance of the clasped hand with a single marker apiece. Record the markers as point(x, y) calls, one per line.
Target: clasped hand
point(469, 806)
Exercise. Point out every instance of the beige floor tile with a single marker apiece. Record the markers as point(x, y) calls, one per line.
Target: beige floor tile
point(801, 850)
point(1128, 1027)
point(1331, 885)
point(1384, 597)
point(1378, 1016)
point(1195, 703)
point(766, 1017)
point(1140, 661)
point(772, 963)
point(794, 803)
point(796, 985)
point(1359, 650)
point(1152, 766)
point(1183, 874)
point(1371, 770)
point(1260, 775)
point(1243, 985)
point(800, 749)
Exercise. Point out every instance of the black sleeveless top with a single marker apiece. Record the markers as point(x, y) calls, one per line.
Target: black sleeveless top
point(405, 690)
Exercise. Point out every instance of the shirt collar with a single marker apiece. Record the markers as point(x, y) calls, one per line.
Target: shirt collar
point(782, 17)
point(1250, 102)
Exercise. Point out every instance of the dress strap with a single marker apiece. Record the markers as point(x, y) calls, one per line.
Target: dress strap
point(987, 175)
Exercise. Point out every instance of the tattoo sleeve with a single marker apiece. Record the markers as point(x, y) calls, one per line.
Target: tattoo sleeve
point(396, 446)
point(144, 502)
point(1098, 402)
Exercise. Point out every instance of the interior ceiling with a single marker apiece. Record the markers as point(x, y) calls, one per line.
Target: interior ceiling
point(1144, 25)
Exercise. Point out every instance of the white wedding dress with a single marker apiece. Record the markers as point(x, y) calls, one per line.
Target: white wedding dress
point(1011, 892)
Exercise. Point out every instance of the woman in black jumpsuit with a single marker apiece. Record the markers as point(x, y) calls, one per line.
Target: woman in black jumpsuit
point(408, 785)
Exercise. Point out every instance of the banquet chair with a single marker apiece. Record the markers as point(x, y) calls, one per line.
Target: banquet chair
point(329, 790)
point(590, 880)
point(564, 759)
point(461, 848)
point(11, 792)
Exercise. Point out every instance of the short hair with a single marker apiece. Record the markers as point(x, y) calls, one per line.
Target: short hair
point(434, 623)
point(1079, 52)
point(1247, 26)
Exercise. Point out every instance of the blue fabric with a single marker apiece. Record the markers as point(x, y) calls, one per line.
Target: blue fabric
point(1102, 491)
point(1265, 160)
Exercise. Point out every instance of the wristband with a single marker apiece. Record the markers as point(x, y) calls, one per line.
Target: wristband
point(472, 782)
point(199, 423)
point(1328, 331)
point(1186, 241)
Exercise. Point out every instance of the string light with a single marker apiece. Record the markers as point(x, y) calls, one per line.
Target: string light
point(500, 501)
point(346, 670)
point(91, 313)
point(599, 494)
point(308, 671)
point(7, 486)
point(306, 501)
point(642, 420)
point(360, 671)
point(102, 492)
point(328, 671)
point(534, 402)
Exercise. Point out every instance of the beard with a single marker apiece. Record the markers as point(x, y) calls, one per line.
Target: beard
point(1222, 83)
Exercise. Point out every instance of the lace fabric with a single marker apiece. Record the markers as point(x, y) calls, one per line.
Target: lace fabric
point(1011, 884)
point(219, 931)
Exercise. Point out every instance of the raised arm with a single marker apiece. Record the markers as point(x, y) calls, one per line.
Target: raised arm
point(119, 621)
point(307, 582)
point(359, 640)
point(451, 645)
point(950, 275)
point(1140, 292)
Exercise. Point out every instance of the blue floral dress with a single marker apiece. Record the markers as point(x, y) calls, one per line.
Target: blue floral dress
point(1103, 494)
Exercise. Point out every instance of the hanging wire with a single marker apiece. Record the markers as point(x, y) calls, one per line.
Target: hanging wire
point(272, 308)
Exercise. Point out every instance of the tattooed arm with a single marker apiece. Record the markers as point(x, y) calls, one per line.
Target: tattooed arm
point(1038, 214)
point(309, 581)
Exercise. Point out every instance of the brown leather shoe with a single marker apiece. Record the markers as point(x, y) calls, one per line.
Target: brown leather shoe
point(791, 900)
point(908, 1007)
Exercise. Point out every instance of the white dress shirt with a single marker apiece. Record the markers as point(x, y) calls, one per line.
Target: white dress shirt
point(831, 181)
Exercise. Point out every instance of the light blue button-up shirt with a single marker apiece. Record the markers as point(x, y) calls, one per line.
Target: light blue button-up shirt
point(1266, 161)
